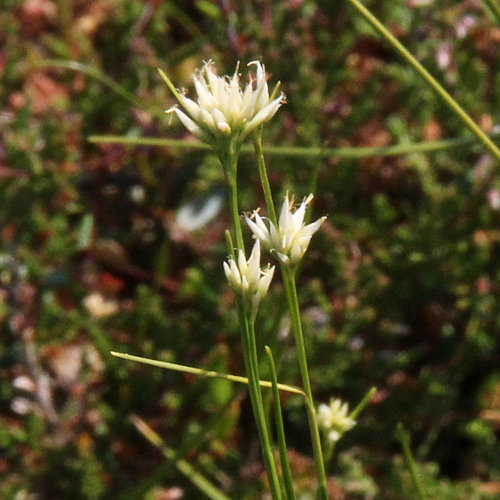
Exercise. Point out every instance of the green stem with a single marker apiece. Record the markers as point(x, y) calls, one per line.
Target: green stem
point(293, 305)
point(285, 465)
point(429, 79)
point(230, 164)
point(362, 404)
point(293, 151)
point(264, 180)
point(252, 369)
point(329, 449)
point(404, 438)
point(235, 215)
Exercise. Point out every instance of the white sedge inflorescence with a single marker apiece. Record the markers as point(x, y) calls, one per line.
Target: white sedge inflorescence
point(248, 279)
point(334, 419)
point(288, 241)
point(223, 107)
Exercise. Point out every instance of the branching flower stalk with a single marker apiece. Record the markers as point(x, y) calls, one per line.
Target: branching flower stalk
point(222, 117)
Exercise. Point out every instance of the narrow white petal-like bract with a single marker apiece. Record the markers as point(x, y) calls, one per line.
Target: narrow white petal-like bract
point(254, 261)
point(259, 229)
point(191, 107)
point(189, 124)
point(264, 115)
point(265, 281)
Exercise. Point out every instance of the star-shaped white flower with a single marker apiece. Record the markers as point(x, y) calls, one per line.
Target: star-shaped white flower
point(334, 419)
point(288, 241)
point(223, 108)
point(247, 279)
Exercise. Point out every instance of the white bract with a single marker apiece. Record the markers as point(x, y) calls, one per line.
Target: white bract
point(222, 107)
point(247, 279)
point(289, 241)
point(334, 419)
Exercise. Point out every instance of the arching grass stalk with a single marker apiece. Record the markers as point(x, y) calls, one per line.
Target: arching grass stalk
point(200, 481)
point(351, 153)
point(288, 275)
point(200, 372)
point(428, 78)
point(103, 78)
point(355, 152)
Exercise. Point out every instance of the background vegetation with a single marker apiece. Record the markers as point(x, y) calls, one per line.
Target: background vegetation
point(112, 247)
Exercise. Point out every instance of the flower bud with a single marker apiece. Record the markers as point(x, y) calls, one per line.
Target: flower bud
point(247, 279)
point(334, 419)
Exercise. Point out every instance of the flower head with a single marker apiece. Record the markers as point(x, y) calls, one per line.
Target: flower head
point(247, 279)
point(223, 108)
point(334, 419)
point(289, 241)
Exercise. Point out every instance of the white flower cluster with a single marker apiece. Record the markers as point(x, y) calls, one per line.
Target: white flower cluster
point(288, 241)
point(223, 108)
point(334, 419)
point(247, 279)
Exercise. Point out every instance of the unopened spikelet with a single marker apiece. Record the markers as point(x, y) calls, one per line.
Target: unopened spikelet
point(248, 279)
point(334, 419)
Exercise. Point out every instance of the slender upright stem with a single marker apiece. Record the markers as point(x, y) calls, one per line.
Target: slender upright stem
point(293, 304)
point(329, 449)
point(257, 143)
point(252, 369)
point(404, 438)
point(235, 215)
point(285, 465)
point(428, 78)
point(230, 164)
